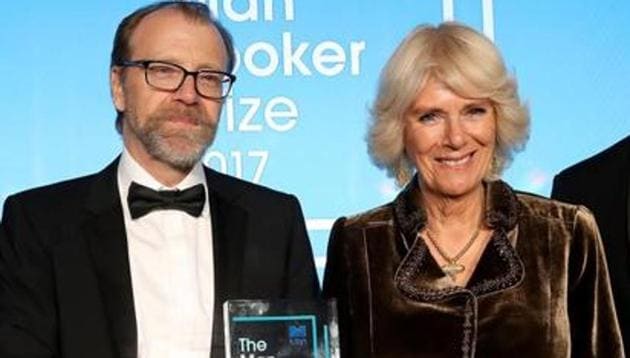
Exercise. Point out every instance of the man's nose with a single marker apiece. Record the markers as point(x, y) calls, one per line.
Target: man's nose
point(187, 92)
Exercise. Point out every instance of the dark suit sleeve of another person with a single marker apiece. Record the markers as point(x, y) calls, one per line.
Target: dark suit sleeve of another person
point(592, 318)
point(28, 323)
point(602, 184)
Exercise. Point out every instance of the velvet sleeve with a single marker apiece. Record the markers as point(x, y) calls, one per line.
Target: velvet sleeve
point(27, 309)
point(337, 282)
point(594, 328)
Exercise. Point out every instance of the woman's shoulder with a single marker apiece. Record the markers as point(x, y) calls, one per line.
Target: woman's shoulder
point(378, 216)
point(543, 208)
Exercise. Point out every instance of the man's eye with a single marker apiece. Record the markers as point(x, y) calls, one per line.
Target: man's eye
point(210, 77)
point(163, 70)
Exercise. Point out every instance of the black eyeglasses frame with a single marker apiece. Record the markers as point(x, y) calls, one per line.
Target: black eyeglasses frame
point(146, 63)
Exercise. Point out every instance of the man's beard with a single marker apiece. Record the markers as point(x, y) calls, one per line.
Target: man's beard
point(179, 147)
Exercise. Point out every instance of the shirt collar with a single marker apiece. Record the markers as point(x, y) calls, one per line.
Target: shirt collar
point(130, 170)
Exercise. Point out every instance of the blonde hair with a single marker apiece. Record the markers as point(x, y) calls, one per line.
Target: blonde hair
point(467, 63)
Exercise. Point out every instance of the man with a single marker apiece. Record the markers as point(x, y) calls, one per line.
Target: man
point(602, 183)
point(137, 260)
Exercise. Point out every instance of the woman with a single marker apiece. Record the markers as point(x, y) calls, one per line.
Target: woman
point(459, 264)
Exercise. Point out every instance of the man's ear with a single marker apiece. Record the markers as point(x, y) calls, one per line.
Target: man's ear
point(116, 84)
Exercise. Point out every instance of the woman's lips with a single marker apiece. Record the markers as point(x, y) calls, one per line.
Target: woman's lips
point(456, 161)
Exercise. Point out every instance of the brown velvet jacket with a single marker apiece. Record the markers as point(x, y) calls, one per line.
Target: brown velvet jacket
point(540, 289)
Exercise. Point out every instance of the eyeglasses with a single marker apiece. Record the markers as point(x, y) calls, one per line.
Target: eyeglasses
point(170, 77)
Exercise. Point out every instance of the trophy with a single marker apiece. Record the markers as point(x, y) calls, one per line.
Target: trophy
point(281, 328)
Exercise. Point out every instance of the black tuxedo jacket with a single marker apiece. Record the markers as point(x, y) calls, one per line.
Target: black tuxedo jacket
point(65, 286)
point(602, 183)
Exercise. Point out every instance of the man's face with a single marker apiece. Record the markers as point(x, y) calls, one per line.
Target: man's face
point(174, 128)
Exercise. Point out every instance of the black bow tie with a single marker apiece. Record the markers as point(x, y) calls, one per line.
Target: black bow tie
point(143, 200)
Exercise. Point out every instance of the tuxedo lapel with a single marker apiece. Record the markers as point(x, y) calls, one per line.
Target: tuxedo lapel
point(104, 231)
point(229, 233)
point(229, 224)
point(102, 226)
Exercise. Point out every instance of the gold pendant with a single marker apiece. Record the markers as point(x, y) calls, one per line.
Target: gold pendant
point(452, 269)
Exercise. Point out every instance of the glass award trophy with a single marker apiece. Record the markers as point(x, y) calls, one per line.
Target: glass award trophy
point(281, 329)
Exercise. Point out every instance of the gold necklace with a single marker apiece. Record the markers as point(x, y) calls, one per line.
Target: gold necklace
point(452, 267)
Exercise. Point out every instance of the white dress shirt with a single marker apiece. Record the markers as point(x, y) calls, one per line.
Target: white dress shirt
point(172, 273)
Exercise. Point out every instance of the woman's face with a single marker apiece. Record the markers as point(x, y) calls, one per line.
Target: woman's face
point(450, 139)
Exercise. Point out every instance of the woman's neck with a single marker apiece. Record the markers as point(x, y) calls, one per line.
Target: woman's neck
point(454, 216)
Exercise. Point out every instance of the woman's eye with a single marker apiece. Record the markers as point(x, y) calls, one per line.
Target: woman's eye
point(428, 117)
point(476, 111)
